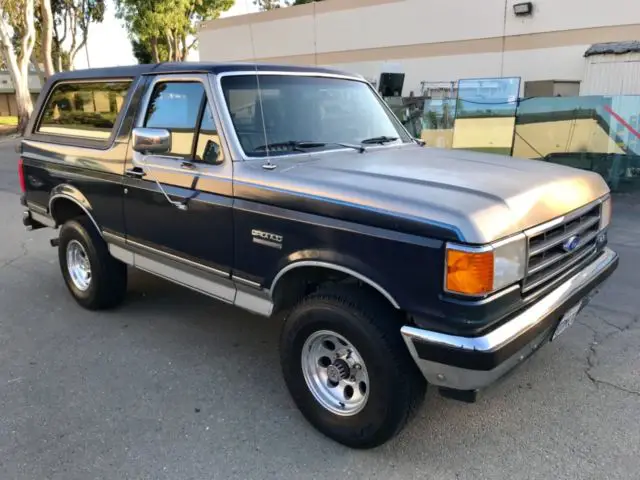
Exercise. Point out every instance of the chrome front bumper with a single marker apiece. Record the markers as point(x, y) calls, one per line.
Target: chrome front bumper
point(472, 363)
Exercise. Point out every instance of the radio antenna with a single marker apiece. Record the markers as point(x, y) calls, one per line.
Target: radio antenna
point(267, 165)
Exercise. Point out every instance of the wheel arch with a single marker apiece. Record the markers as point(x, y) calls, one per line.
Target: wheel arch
point(64, 199)
point(327, 268)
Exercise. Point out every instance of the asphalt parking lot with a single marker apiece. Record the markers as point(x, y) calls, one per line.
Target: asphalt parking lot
point(174, 385)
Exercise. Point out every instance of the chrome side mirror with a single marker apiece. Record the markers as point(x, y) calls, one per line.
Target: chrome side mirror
point(151, 140)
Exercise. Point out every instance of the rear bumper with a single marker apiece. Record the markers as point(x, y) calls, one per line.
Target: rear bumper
point(472, 363)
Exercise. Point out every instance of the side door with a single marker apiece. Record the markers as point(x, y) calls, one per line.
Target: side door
point(178, 205)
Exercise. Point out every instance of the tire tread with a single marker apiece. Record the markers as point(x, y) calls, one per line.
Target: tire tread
point(111, 279)
point(381, 318)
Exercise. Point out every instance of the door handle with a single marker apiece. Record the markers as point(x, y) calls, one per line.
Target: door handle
point(135, 172)
point(187, 166)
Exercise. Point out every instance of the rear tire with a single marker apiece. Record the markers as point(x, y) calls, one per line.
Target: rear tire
point(370, 327)
point(95, 279)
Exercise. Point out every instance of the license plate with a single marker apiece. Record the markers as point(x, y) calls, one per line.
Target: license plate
point(567, 320)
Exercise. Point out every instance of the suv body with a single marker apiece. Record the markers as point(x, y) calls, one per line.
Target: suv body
point(391, 262)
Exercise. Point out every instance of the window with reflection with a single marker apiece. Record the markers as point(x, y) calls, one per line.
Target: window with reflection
point(84, 109)
point(274, 111)
point(596, 133)
point(175, 106)
point(485, 114)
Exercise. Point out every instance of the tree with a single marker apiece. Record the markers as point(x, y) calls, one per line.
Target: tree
point(269, 4)
point(273, 4)
point(165, 27)
point(142, 51)
point(69, 26)
point(60, 31)
point(81, 13)
point(17, 25)
point(46, 34)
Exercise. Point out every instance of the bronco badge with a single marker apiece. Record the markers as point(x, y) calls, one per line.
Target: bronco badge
point(266, 238)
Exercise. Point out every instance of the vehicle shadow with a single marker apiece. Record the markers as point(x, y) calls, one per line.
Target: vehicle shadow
point(204, 377)
point(251, 343)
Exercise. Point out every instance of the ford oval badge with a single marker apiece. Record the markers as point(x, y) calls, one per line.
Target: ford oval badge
point(571, 243)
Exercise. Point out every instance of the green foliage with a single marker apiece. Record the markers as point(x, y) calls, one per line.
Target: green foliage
point(93, 119)
point(14, 12)
point(165, 25)
point(71, 22)
point(273, 4)
point(269, 4)
point(8, 121)
point(142, 50)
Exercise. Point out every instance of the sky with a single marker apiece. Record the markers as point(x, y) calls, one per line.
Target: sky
point(108, 43)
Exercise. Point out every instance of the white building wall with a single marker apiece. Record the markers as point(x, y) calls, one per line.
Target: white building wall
point(6, 84)
point(530, 65)
point(435, 69)
point(431, 40)
point(559, 15)
point(408, 22)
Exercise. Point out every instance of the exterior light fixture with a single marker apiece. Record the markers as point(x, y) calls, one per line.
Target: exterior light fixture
point(521, 9)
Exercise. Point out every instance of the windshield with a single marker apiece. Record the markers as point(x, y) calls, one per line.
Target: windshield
point(327, 111)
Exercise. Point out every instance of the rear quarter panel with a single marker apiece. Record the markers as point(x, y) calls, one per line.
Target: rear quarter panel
point(88, 171)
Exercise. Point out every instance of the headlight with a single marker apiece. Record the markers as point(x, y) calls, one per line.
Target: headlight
point(605, 214)
point(479, 271)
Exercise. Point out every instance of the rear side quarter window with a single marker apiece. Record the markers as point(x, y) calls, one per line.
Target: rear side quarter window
point(83, 110)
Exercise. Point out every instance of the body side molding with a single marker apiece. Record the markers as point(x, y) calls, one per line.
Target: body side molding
point(186, 274)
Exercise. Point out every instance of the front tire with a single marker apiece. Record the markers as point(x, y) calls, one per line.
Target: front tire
point(347, 368)
point(95, 279)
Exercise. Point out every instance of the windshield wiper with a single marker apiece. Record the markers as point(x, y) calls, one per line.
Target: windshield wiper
point(303, 146)
point(381, 140)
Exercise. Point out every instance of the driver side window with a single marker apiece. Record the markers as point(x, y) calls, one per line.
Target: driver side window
point(175, 106)
point(183, 110)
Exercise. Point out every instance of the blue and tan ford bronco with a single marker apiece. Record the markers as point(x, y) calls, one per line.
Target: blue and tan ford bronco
point(295, 192)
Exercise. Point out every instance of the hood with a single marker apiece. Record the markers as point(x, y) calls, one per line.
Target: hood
point(484, 197)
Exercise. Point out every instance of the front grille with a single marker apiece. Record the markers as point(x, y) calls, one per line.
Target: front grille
point(548, 255)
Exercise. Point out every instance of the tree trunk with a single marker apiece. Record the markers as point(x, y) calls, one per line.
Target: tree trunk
point(176, 48)
point(185, 48)
point(170, 46)
point(25, 105)
point(59, 61)
point(47, 37)
point(73, 28)
point(154, 50)
point(19, 67)
point(74, 52)
point(41, 75)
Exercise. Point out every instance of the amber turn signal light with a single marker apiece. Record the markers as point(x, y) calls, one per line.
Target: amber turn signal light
point(469, 273)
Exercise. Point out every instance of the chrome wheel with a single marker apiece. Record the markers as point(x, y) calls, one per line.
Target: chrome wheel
point(335, 373)
point(78, 265)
